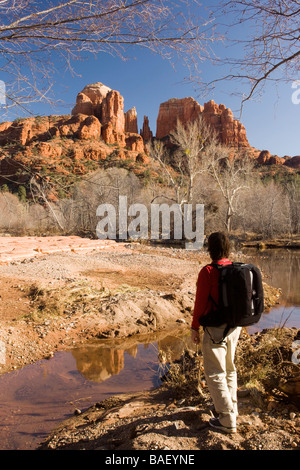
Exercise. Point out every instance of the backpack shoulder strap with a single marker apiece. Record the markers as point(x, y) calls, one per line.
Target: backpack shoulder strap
point(218, 267)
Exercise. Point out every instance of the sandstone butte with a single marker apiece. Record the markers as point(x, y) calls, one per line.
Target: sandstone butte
point(98, 126)
point(229, 130)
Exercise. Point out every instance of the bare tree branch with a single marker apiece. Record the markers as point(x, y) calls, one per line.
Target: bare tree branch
point(264, 39)
point(31, 36)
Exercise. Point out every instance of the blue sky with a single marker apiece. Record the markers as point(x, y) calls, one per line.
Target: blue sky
point(271, 123)
point(146, 80)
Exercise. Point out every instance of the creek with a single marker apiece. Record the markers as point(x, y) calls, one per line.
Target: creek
point(38, 397)
point(281, 269)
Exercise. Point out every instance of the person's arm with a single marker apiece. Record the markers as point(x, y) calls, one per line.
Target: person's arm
point(201, 299)
point(195, 336)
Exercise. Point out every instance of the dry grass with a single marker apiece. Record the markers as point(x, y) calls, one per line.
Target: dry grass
point(73, 297)
point(185, 376)
point(263, 360)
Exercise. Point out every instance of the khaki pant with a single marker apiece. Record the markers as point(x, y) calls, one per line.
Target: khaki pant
point(220, 371)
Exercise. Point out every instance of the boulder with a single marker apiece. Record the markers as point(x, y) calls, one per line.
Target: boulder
point(275, 160)
point(90, 129)
point(264, 157)
point(134, 142)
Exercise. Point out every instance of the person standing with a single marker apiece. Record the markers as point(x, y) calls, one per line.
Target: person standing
point(218, 352)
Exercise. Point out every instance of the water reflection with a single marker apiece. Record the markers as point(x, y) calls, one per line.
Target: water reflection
point(36, 398)
point(101, 360)
point(281, 269)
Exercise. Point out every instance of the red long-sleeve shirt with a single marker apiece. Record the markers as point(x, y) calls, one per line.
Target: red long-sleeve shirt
point(207, 283)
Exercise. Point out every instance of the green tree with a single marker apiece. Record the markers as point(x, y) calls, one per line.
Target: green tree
point(22, 194)
point(4, 188)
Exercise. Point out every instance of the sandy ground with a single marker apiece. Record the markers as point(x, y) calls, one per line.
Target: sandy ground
point(57, 292)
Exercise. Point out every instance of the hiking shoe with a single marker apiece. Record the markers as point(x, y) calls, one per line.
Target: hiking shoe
point(215, 423)
point(213, 412)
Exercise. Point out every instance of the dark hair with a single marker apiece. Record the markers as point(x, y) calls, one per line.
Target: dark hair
point(218, 245)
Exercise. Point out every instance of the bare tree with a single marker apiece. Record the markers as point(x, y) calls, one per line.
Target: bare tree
point(231, 174)
point(191, 140)
point(174, 180)
point(292, 190)
point(181, 158)
point(265, 41)
point(264, 210)
point(34, 33)
point(78, 212)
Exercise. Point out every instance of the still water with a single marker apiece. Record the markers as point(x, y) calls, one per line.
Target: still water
point(281, 269)
point(35, 399)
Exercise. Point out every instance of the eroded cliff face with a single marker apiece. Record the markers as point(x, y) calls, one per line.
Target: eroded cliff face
point(131, 123)
point(71, 144)
point(184, 110)
point(230, 131)
point(108, 106)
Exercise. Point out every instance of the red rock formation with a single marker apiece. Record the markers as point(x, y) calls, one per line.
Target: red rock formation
point(229, 130)
point(265, 158)
point(89, 100)
point(83, 105)
point(90, 129)
point(185, 110)
point(134, 142)
point(293, 162)
point(146, 132)
point(131, 121)
point(76, 143)
point(112, 119)
point(42, 129)
point(108, 106)
point(275, 160)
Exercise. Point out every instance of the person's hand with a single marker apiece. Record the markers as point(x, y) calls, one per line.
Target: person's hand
point(195, 336)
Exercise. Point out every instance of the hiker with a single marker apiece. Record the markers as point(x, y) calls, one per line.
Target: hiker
point(218, 353)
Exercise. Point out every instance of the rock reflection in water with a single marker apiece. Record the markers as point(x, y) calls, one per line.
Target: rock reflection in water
point(99, 361)
point(38, 397)
point(98, 364)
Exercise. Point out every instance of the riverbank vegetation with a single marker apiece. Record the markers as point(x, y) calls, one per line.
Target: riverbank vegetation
point(258, 205)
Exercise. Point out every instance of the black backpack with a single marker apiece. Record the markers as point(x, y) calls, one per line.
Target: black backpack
point(241, 297)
